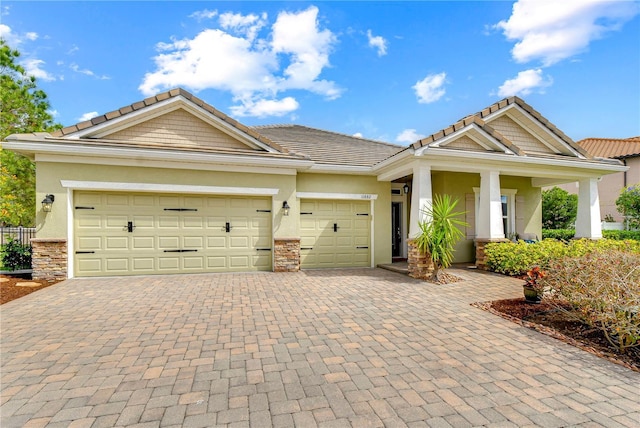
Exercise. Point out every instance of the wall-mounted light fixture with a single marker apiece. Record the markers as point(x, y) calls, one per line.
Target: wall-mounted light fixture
point(406, 188)
point(285, 208)
point(47, 203)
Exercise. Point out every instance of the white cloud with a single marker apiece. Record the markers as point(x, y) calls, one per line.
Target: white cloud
point(73, 50)
point(204, 14)
point(430, 89)
point(358, 135)
point(75, 67)
point(298, 36)
point(33, 67)
point(54, 113)
point(551, 31)
point(264, 108)
point(14, 39)
point(409, 136)
point(525, 83)
point(88, 116)
point(378, 42)
point(243, 25)
point(254, 67)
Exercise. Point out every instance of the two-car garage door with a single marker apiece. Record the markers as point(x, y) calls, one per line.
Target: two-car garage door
point(138, 233)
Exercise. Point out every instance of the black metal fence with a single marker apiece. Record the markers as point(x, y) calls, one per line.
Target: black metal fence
point(21, 234)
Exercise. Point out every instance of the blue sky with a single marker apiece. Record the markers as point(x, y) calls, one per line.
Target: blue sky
point(393, 71)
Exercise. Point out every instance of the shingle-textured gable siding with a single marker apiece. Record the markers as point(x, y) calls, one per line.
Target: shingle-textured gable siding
point(178, 128)
point(465, 143)
point(519, 136)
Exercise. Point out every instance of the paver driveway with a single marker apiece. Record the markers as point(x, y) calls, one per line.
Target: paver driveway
point(329, 348)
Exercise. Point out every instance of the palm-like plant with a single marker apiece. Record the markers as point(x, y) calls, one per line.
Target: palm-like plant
point(440, 232)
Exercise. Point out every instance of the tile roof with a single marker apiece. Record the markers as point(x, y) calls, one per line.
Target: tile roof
point(326, 147)
point(156, 99)
point(612, 147)
point(477, 119)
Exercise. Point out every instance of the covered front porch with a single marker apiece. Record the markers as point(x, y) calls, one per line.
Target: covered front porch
point(496, 172)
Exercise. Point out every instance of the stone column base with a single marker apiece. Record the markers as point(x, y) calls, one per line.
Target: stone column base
point(420, 265)
point(49, 259)
point(286, 254)
point(481, 257)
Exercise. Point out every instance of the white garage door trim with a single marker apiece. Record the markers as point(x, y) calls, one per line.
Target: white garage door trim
point(72, 185)
point(371, 197)
point(169, 188)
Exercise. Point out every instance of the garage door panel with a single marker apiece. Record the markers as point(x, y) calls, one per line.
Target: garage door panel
point(103, 230)
point(143, 264)
point(143, 243)
point(216, 262)
point(89, 266)
point(89, 243)
point(116, 243)
point(116, 221)
point(193, 262)
point(238, 242)
point(168, 222)
point(216, 242)
point(144, 221)
point(239, 262)
point(169, 242)
point(193, 242)
point(193, 223)
point(90, 222)
point(116, 265)
point(115, 200)
point(144, 201)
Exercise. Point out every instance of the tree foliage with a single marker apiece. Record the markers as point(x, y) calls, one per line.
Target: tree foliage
point(559, 209)
point(440, 232)
point(25, 108)
point(628, 204)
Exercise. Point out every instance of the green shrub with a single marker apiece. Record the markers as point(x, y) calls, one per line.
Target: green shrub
point(516, 259)
point(15, 255)
point(560, 234)
point(601, 289)
point(622, 234)
point(568, 234)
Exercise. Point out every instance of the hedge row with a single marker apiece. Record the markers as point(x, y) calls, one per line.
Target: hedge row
point(568, 234)
point(517, 258)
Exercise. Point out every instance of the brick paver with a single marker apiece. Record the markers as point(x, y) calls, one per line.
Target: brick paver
point(332, 348)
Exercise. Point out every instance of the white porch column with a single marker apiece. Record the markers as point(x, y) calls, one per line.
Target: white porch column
point(489, 213)
point(588, 221)
point(421, 196)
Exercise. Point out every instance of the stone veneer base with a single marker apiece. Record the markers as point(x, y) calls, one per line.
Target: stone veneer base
point(286, 255)
point(419, 265)
point(481, 257)
point(49, 259)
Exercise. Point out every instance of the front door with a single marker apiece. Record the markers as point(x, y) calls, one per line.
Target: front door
point(396, 229)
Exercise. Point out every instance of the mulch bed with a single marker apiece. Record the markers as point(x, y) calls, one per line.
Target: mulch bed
point(13, 287)
point(556, 323)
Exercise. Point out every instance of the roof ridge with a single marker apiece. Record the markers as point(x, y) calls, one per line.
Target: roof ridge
point(291, 125)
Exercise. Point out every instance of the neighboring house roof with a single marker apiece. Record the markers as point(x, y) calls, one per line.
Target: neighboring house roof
point(326, 147)
point(616, 148)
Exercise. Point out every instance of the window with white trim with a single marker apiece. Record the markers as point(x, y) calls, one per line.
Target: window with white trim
point(508, 199)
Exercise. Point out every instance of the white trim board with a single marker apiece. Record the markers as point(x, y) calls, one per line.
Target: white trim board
point(322, 195)
point(171, 188)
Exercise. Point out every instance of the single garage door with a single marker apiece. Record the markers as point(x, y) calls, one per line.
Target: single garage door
point(136, 234)
point(335, 233)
